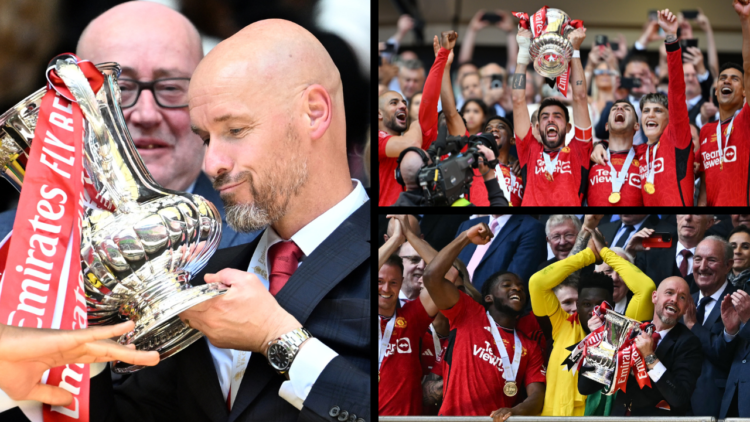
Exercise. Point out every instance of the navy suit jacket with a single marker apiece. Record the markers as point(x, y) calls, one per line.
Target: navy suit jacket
point(202, 187)
point(739, 374)
point(519, 248)
point(329, 294)
point(709, 390)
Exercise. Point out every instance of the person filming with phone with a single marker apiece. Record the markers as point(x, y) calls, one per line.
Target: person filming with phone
point(656, 247)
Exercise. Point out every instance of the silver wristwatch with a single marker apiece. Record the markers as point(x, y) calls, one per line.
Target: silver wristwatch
point(281, 352)
point(650, 359)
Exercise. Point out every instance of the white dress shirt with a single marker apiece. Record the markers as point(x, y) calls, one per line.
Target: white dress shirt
point(622, 305)
point(710, 305)
point(679, 257)
point(621, 231)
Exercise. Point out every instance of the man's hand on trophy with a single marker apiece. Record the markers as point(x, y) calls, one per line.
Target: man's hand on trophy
point(502, 414)
point(448, 39)
point(729, 316)
point(636, 242)
point(690, 317)
point(247, 317)
point(480, 234)
point(741, 302)
point(645, 344)
point(668, 22)
point(594, 322)
point(576, 37)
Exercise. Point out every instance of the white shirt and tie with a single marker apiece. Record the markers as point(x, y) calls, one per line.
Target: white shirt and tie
point(230, 364)
point(679, 257)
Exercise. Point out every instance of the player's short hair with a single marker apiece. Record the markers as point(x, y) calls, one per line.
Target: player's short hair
point(550, 101)
point(589, 279)
point(395, 261)
point(731, 65)
point(503, 119)
point(656, 98)
point(491, 281)
point(557, 219)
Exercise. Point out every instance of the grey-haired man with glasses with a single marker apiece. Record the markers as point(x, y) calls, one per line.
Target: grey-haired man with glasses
point(157, 63)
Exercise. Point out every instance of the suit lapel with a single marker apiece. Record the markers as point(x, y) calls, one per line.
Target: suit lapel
point(665, 345)
point(202, 380)
point(343, 251)
point(716, 310)
point(513, 222)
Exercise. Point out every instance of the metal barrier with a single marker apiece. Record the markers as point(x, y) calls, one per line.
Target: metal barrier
point(552, 419)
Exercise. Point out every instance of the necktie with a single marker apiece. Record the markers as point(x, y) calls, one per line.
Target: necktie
point(479, 252)
point(656, 336)
point(284, 259)
point(701, 311)
point(684, 264)
point(622, 241)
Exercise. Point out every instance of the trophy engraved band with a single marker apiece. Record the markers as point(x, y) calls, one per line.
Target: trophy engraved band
point(140, 242)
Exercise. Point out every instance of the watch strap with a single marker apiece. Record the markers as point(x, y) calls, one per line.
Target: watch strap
point(650, 359)
point(291, 341)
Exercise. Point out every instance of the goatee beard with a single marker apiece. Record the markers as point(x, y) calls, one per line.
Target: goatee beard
point(505, 309)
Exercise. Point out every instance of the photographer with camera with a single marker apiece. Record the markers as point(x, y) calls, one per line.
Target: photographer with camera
point(430, 181)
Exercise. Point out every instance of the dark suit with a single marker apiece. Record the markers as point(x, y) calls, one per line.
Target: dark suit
point(609, 230)
point(438, 230)
point(706, 399)
point(680, 352)
point(660, 263)
point(739, 374)
point(519, 247)
point(202, 187)
point(329, 294)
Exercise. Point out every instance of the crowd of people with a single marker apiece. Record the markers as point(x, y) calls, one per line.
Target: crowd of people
point(489, 323)
point(625, 133)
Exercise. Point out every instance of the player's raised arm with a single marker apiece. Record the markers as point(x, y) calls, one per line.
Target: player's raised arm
point(743, 10)
point(521, 119)
point(578, 80)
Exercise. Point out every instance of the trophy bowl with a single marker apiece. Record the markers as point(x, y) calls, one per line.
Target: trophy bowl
point(551, 51)
point(617, 329)
point(140, 242)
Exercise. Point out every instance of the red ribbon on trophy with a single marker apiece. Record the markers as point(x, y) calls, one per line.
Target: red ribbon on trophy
point(578, 351)
point(629, 357)
point(538, 26)
point(43, 284)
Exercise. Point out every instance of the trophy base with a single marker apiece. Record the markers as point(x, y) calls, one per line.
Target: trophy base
point(164, 331)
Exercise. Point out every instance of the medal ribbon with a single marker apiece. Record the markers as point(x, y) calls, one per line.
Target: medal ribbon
point(650, 166)
point(436, 342)
point(729, 134)
point(629, 357)
point(503, 183)
point(43, 286)
point(385, 339)
point(549, 165)
point(509, 371)
point(617, 179)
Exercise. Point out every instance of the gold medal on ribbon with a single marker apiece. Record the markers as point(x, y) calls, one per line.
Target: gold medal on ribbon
point(378, 376)
point(721, 163)
point(614, 197)
point(548, 176)
point(510, 388)
point(649, 187)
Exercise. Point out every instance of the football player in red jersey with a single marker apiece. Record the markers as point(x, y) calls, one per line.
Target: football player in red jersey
point(479, 377)
point(724, 150)
point(666, 167)
point(553, 172)
point(392, 139)
point(614, 176)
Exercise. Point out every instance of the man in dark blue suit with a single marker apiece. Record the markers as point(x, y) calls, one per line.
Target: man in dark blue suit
point(735, 313)
point(518, 247)
point(712, 262)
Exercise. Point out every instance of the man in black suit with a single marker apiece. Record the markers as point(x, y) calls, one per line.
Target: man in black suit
point(618, 233)
point(677, 260)
point(282, 166)
point(673, 359)
point(711, 264)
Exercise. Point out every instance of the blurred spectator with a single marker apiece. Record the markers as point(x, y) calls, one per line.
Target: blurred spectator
point(414, 103)
point(741, 220)
point(495, 92)
point(463, 69)
point(518, 247)
point(739, 240)
point(474, 113)
point(411, 77)
point(618, 233)
point(470, 88)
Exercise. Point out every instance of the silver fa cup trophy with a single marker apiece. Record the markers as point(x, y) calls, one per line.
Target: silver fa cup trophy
point(617, 329)
point(550, 49)
point(138, 256)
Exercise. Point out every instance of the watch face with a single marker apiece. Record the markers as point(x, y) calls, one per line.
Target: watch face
point(278, 356)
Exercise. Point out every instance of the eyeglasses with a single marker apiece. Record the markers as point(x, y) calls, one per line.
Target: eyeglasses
point(414, 259)
point(557, 237)
point(168, 92)
point(598, 72)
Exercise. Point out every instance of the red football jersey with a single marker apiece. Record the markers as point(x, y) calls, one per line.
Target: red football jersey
point(515, 184)
point(569, 175)
point(400, 386)
point(473, 372)
point(674, 178)
point(728, 186)
point(389, 187)
point(600, 182)
point(427, 351)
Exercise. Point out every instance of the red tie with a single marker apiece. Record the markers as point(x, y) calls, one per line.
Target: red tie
point(229, 397)
point(284, 259)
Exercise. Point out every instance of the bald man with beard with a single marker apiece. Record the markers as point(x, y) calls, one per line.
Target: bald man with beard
point(268, 104)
